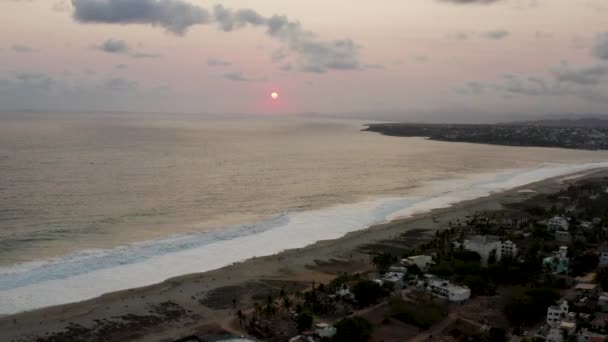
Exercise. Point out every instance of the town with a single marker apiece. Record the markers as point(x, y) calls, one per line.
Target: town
point(571, 134)
point(532, 271)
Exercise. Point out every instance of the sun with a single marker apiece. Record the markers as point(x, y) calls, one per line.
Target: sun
point(274, 95)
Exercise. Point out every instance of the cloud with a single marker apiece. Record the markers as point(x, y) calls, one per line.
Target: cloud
point(497, 34)
point(114, 46)
point(600, 50)
point(592, 75)
point(174, 15)
point(122, 66)
point(588, 83)
point(117, 46)
point(215, 62)
point(311, 54)
point(22, 48)
point(238, 76)
point(41, 91)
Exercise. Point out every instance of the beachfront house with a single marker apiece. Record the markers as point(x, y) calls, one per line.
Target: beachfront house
point(423, 262)
point(445, 289)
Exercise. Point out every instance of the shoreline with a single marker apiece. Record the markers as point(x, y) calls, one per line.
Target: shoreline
point(191, 291)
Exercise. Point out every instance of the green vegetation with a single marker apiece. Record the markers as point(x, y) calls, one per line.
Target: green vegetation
point(353, 329)
point(527, 306)
point(420, 314)
point(368, 292)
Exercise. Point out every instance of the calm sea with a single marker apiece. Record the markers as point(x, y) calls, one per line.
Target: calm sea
point(75, 187)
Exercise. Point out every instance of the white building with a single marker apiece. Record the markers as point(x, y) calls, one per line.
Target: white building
point(507, 248)
point(422, 261)
point(558, 223)
point(445, 289)
point(324, 330)
point(556, 313)
point(486, 245)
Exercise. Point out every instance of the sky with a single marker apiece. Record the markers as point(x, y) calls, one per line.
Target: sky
point(383, 58)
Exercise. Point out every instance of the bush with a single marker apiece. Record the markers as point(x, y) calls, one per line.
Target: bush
point(304, 321)
point(353, 329)
point(422, 315)
point(527, 306)
point(368, 292)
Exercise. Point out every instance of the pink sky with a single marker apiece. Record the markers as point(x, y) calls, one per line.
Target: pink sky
point(413, 56)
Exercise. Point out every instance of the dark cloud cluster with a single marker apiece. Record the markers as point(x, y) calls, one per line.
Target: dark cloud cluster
point(72, 90)
point(588, 83)
point(174, 15)
point(114, 46)
point(216, 62)
point(22, 48)
point(240, 77)
point(311, 54)
point(600, 50)
point(118, 46)
point(497, 34)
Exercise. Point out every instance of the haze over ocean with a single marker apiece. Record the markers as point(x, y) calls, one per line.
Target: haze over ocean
point(94, 182)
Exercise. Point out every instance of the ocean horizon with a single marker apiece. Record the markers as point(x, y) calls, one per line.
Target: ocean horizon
point(249, 196)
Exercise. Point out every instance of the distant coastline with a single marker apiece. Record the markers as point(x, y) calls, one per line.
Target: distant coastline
point(584, 134)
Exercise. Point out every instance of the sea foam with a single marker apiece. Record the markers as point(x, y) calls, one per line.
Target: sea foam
point(88, 274)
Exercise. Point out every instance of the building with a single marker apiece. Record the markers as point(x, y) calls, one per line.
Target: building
point(507, 248)
point(558, 262)
point(557, 313)
point(445, 289)
point(584, 335)
point(558, 223)
point(602, 302)
point(562, 236)
point(484, 245)
point(600, 322)
point(587, 290)
point(422, 261)
point(603, 255)
point(324, 330)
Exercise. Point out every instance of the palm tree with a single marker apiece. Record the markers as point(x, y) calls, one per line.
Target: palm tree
point(240, 316)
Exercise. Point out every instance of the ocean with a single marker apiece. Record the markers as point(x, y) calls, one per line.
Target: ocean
point(92, 203)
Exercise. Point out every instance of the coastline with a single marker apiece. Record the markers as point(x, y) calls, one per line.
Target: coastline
point(300, 265)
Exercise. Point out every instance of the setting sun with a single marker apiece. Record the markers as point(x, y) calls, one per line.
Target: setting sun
point(274, 95)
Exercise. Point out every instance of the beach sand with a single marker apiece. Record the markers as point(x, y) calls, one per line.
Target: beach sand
point(203, 303)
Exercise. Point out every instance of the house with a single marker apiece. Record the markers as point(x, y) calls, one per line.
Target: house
point(558, 262)
point(445, 289)
point(599, 322)
point(584, 335)
point(603, 255)
point(558, 223)
point(587, 290)
point(562, 236)
point(560, 332)
point(344, 292)
point(422, 261)
point(507, 248)
point(324, 330)
point(484, 245)
point(557, 313)
point(602, 302)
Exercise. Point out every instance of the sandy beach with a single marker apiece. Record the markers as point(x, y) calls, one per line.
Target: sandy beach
point(202, 303)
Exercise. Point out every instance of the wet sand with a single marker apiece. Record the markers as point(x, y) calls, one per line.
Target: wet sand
point(203, 303)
